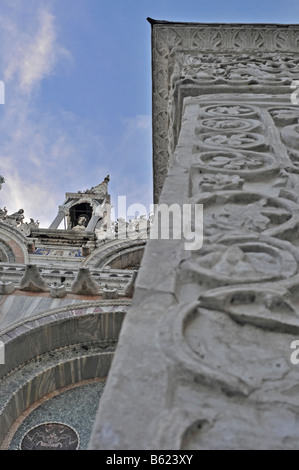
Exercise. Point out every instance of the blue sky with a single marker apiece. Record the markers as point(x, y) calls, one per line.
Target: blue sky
point(77, 76)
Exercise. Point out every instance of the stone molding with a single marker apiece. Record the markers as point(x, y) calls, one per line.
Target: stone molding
point(172, 42)
point(16, 242)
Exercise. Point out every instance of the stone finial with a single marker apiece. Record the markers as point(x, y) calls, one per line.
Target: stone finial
point(84, 283)
point(31, 245)
point(32, 280)
point(109, 293)
point(7, 288)
point(101, 188)
point(3, 213)
point(58, 291)
point(129, 288)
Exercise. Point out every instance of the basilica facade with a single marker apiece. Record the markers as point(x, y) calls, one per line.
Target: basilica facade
point(64, 292)
point(207, 332)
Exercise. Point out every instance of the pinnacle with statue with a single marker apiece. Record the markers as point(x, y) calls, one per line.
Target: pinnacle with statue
point(101, 188)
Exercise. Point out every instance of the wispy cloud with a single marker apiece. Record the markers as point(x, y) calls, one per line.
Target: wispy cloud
point(33, 55)
point(29, 44)
point(47, 152)
point(40, 153)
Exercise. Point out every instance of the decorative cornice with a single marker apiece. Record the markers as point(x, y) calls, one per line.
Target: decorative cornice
point(171, 40)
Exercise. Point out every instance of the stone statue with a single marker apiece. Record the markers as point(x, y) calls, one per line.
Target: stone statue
point(3, 213)
point(16, 218)
point(81, 223)
point(26, 227)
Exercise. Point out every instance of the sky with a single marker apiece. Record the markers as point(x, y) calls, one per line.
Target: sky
point(77, 77)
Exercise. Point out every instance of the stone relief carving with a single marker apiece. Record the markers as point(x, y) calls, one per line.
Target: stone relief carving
point(244, 163)
point(192, 363)
point(243, 260)
point(3, 213)
point(233, 55)
point(220, 339)
point(231, 139)
point(217, 182)
point(243, 69)
point(247, 213)
point(227, 124)
point(248, 281)
point(235, 146)
point(269, 307)
point(284, 116)
point(17, 220)
point(230, 169)
point(231, 110)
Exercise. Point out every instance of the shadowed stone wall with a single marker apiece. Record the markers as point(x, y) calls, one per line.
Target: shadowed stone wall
point(204, 357)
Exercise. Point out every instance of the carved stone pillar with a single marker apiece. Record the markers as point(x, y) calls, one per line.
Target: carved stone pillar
point(58, 219)
point(205, 358)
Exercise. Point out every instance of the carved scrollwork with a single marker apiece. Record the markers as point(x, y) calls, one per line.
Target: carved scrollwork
point(258, 39)
point(241, 140)
point(198, 38)
point(177, 426)
point(290, 135)
point(238, 353)
point(216, 39)
point(242, 56)
point(175, 38)
point(247, 213)
point(284, 116)
point(265, 307)
point(294, 156)
point(233, 110)
point(246, 164)
point(221, 350)
point(194, 364)
point(228, 124)
point(242, 261)
point(216, 182)
point(281, 39)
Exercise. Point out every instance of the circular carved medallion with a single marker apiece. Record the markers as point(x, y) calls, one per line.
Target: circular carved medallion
point(227, 124)
point(232, 140)
point(50, 436)
point(233, 110)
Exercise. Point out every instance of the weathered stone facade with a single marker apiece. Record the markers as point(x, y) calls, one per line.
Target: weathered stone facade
point(63, 295)
point(204, 357)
